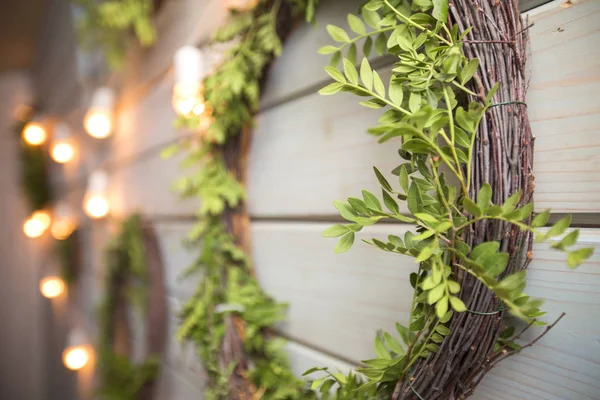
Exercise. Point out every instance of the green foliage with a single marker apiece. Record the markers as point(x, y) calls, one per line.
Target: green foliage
point(108, 24)
point(65, 252)
point(126, 279)
point(425, 107)
point(228, 287)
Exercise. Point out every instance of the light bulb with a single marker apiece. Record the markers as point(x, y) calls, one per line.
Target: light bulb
point(62, 152)
point(52, 286)
point(76, 357)
point(95, 203)
point(34, 134)
point(43, 217)
point(187, 92)
point(62, 229)
point(98, 123)
point(96, 206)
point(98, 120)
point(33, 228)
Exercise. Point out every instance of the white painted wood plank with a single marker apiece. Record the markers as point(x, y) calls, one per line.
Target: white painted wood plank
point(338, 302)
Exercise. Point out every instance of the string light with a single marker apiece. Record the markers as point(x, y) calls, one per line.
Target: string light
point(52, 286)
point(34, 133)
point(77, 354)
point(95, 203)
point(187, 93)
point(64, 222)
point(36, 224)
point(98, 121)
point(61, 149)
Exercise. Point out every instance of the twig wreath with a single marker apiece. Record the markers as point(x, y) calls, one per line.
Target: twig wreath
point(456, 98)
point(134, 282)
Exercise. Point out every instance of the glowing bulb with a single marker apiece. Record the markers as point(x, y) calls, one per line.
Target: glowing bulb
point(34, 134)
point(62, 152)
point(43, 217)
point(62, 229)
point(96, 206)
point(98, 120)
point(33, 228)
point(51, 287)
point(75, 357)
point(187, 92)
point(98, 124)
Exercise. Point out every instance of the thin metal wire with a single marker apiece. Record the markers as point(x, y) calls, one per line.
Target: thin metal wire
point(507, 102)
point(413, 389)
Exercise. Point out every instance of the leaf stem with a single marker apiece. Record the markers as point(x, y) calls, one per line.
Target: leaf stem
point(414, 24)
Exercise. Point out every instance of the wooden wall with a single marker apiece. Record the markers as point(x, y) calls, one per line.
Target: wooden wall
point(309, 150)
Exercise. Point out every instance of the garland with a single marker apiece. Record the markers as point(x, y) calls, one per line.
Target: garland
point(473, 231)
point(131, 259)
point(108, 25)
point(229, 317)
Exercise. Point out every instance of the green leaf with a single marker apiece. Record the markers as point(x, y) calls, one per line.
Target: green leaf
point(335, 74)
point(575, 258)
point(425, 254)
point(372, 18)
point(390, 203)
point(492, 92)
point(559, 227)
point(378, 84)
point(440, 10)
point(329, 49)
point(345, 243)
point(368, 46)
point(393, 344)
point(426, 217)
point(414, 102)
point(382, 181)
point(335, 231)
point(403, 177)
point(356, 24)
point(511, 203)
point(541, 219)
point(351, 54)
point(381, 44)
point(435, 294)
point(484, 197)
point(332, 88)
point(358, 205)
point(335, 59)
point(314, 369)
point(371, 200)
point(396, 92)
point(484, 248)
point(345, 210)
point(373, 103)
point(442, 307)
point(380, 349)
point(453, 287)
point(457, 304)
point(414, 201)
point(469, 70)
point(366, 74)
point(316, 383)
point(338, 34)
point(495, 263)
point(350, 71)
point(434, 348)
point(569, 240)
point(472, 207)
point(442, 330)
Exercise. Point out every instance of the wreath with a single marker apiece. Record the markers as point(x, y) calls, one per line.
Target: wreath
point(134, 284)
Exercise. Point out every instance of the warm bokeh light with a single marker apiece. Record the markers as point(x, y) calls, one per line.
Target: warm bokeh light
point(62, 228)
point(96, 206)
point(52, 286)
point(62, 151)
point(188, 100)
point(241, 5)
point(76, 357)
point(33, 228)
point(34, 134)
point(43, 217)
point(98, 123)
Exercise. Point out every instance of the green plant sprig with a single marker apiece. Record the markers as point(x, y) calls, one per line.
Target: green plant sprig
point(426, 109)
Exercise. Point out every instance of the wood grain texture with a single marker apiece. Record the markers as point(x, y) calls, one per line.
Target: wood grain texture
point(338, 302)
